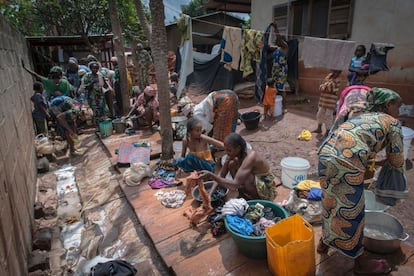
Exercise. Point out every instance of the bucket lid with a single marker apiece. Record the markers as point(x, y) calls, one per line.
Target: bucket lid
point(295, 163)
point(407, 132)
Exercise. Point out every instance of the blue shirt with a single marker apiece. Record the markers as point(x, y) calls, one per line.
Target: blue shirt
point(38, 101)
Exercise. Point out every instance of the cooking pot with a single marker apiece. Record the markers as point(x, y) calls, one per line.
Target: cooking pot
point(383, 232)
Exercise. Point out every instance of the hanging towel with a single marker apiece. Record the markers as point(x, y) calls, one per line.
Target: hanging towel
point(231, 45)
point(186, 51)
point(252, 45)
point(331, 54)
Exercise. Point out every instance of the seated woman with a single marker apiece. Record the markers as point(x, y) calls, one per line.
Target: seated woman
point(252, 176)
point(146, 107)
point(198, 144)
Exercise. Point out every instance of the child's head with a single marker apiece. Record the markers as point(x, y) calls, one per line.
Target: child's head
point(174, 77)
point(38, 87)
point(360, 50)
point(270, 81)
point(194, 128)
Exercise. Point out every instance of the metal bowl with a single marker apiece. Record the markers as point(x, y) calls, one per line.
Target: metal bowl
point(383, 232)
point(218, 194)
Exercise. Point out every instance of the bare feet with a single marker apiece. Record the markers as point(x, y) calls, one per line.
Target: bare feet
point(322, 248)
point(363, 265)
point(318, 130)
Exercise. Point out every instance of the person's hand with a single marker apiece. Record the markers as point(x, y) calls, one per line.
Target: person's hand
point(205, 175)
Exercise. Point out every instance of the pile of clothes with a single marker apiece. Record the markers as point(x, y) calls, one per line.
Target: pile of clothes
point(248, 220)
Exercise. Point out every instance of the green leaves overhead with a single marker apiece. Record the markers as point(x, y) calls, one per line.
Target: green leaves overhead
point(73, 17)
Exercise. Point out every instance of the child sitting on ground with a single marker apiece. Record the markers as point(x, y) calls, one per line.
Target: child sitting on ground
point(198, 145)
point(327, 101)
point(269, 99)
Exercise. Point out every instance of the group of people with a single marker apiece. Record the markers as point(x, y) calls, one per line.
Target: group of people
point(87, 83)
point(360, 122)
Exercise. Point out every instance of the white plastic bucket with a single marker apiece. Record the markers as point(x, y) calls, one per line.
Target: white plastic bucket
point(278, 106)
point(294, 170)
point(408, 135)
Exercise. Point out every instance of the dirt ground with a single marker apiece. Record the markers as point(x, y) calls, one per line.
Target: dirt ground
point(277, 139)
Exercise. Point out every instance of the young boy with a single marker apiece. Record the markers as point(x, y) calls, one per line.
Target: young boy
point(269, 99)
point(40, 112)
point(327, 101)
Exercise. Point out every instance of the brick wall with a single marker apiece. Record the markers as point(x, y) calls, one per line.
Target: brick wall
point(17, 155)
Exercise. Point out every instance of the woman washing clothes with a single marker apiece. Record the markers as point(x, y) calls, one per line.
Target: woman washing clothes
point(198, 146)
point(252, 178)
point(343, 160)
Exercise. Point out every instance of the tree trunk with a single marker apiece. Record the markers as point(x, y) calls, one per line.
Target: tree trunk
point(143, 19)
point(159, 51)
point(120, 54)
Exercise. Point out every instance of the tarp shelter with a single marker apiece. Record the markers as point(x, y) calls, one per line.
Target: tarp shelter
point(48, 51)
point(207, 31)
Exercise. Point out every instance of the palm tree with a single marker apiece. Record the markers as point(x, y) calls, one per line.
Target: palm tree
point(158, 43)
point(143, 18)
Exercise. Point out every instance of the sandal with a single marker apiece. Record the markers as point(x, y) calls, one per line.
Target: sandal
point(322, 248)
point(380, 267)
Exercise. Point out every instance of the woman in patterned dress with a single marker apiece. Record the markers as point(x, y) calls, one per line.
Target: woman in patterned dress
point(93, 84)
point(343, 159)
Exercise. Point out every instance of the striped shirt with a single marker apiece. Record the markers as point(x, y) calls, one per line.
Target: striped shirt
point(329, 90)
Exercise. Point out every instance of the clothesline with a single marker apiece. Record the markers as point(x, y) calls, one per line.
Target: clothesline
point(289, 35)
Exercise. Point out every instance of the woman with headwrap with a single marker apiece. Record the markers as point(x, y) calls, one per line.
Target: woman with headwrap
point(351, 102)
point(343, 160)
point(146, 107)
point(93, 84)
point(54, 85)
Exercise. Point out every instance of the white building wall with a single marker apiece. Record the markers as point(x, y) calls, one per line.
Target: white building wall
point(262, 13)
point(390, 21)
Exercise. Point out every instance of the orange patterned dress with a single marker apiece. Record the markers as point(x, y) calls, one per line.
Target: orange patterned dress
point(343, 159)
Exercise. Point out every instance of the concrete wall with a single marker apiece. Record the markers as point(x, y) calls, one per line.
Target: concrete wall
point(389, 21)
point(262, 13)
point(17, 155)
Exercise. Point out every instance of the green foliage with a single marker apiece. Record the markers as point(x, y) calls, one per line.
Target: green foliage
point(247, 24)
point(74, 17)
point(195, 8)
point(21, 15)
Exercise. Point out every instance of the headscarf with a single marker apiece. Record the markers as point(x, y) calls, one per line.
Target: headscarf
point(150, 91)
point(73, 60)
point(55, 71)
point(377, 97)
point(93, 63)
point(90, 58)
point(81, 72)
